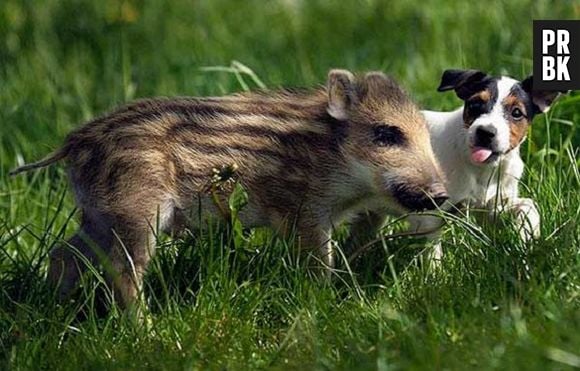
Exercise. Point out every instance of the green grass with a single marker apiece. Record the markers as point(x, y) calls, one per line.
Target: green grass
point(495, 304)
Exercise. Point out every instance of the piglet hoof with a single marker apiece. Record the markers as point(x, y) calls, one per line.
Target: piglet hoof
point(528, 219)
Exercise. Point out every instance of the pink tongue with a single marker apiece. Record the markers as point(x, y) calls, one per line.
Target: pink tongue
point(480, 154)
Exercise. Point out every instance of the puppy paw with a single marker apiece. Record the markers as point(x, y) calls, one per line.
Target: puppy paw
point(527, 218)
point(435, 256)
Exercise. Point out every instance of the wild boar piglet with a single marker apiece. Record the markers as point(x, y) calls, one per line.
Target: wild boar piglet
point(308, 159)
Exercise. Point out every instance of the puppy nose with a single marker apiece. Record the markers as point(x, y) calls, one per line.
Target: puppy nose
point(484, 135)
point(438, 193)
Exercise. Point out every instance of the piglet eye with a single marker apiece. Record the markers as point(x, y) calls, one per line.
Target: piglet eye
point(388, 135)
point(517, 114)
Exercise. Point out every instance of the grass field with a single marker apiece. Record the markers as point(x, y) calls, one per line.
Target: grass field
point(495, 304)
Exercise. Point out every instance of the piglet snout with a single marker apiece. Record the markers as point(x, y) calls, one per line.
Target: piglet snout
point(438, 194)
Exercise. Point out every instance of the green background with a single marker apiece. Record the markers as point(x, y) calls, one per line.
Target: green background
point(495, 304)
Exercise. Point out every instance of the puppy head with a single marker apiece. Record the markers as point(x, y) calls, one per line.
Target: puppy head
point(497, 112)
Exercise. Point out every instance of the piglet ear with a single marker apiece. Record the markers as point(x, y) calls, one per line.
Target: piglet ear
point(464, 82)
point(542, 99)
point(341, 93)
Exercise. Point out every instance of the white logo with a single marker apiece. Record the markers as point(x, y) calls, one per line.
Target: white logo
point(555, 67)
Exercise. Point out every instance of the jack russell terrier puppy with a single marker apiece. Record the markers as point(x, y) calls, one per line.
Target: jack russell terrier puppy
point(478, 148)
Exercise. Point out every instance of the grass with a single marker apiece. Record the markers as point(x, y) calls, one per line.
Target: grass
point(495, 304)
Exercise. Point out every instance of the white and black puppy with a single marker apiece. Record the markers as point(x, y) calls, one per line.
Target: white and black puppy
point(478, 149)
point(478, 145)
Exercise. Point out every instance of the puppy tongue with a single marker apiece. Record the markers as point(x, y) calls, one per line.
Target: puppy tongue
point(480, 154)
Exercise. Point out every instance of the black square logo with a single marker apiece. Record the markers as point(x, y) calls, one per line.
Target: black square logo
point(556, 55)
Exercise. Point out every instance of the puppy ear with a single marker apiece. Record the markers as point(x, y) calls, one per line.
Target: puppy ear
point(464, 82)
point(341, 93)
point(542, 99)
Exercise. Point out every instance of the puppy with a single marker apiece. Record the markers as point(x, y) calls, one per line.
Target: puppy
point(478, 146)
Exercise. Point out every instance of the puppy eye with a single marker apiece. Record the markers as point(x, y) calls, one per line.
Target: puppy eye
point(475, 106)
point(388, 135)
point(517, 114)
